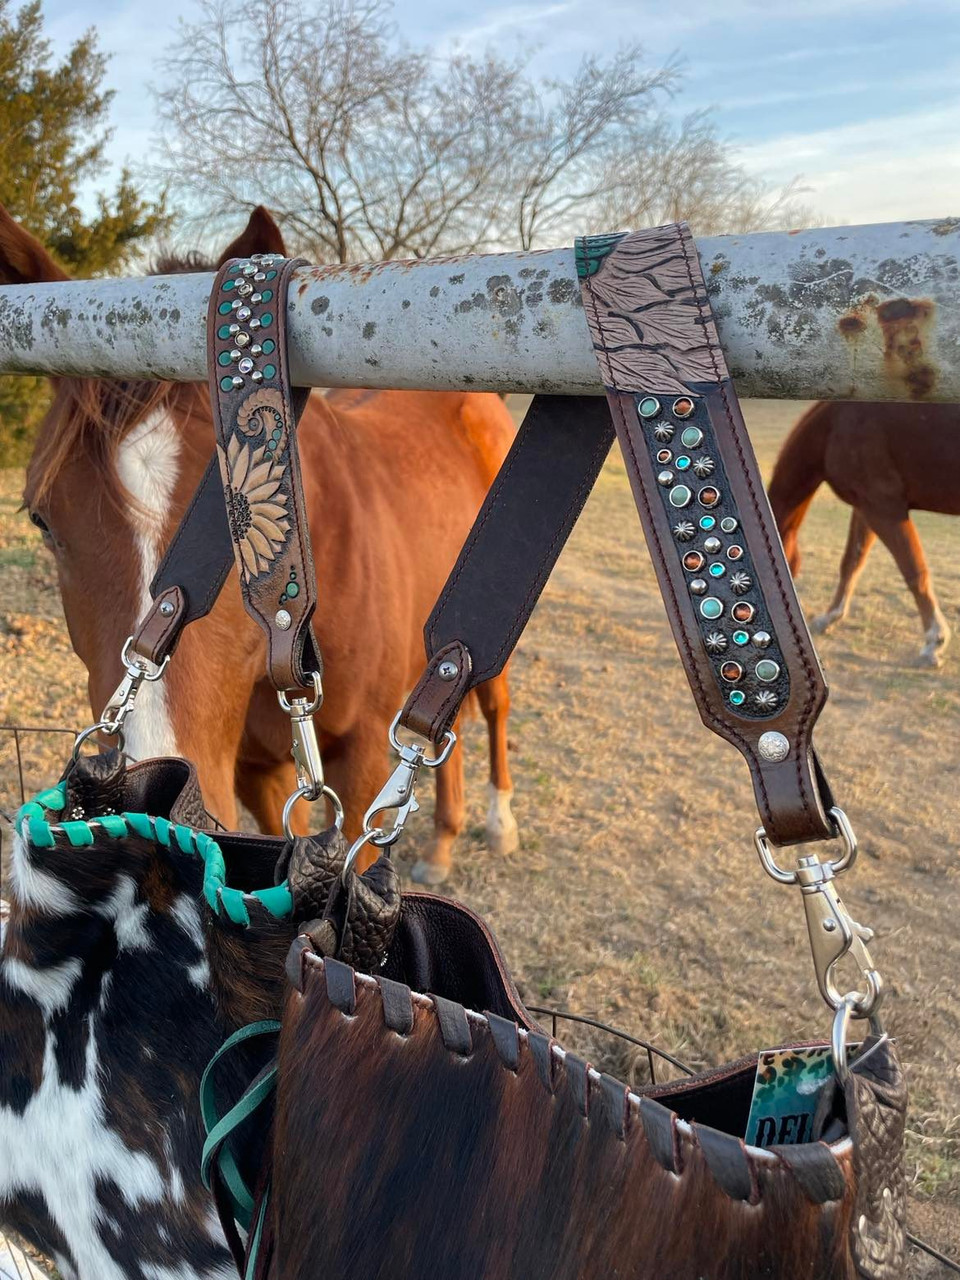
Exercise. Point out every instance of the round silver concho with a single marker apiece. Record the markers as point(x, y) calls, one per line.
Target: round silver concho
point(773, 746)
point(283, 619)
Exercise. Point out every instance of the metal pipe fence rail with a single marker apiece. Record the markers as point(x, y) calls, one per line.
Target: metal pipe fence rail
point(870, 313)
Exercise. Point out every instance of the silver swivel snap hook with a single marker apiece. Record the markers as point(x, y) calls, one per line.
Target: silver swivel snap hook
point(306, 755)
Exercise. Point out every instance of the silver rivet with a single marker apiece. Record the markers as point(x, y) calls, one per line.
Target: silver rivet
point(254, 324)
point(448, 670)
point(712, 546)
point(260, 275)
point(256, 349)
point(255, 298)
point(242, 339)
point(698, 586)
point(243, 313)
point(237, 383)
point(773, 746)
point(256, 376)
point(829, 925)
point(235, 354)
point(244, 288)
point(166, 608)
point(665, 478)
point(762, 639)
point(245, 365)
point(283, 619)
point(234, 330)
point(248, 269)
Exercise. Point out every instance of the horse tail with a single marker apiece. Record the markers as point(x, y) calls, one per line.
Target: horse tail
point(798, 473)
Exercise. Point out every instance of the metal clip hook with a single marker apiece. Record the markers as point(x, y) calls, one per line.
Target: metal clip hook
point(306, 749)
point(833, 933)
point(396, 794)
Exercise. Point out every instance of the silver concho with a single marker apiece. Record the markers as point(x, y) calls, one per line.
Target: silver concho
point(773, 746)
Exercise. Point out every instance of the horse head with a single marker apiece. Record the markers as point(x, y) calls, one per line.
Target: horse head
point(123, 458)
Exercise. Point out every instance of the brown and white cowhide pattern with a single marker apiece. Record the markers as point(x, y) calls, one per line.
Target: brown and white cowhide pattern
point(107, 1021)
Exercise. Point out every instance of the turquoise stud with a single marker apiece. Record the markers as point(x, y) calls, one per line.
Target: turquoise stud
point(680, 496)
point(225, 308)
point(226, 384)
point(717, 570)
point(708, 522)
point(737, 697)
point(648, 407)
point(266, 320)
point(268, 346)
point(224, 331)
point(711, 607)
point(228, 285)
point(728, 524)
point(223, 357)
point(741, 637)
point(269, 371)
point(691, 437)
point(271, 275)
point(767, 670)
point(683, 463)
point(266, 295)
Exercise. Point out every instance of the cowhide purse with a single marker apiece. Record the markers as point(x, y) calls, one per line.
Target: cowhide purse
point(394, 1111)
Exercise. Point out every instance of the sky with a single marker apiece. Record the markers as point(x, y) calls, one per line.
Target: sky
point(861, 98)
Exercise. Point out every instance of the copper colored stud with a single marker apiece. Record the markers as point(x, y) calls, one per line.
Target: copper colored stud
point(693, 561)
point(735, 552)
point(683, 408)
point(708, 497)
point(743, 611)
point(731, 672)
point(664, 456)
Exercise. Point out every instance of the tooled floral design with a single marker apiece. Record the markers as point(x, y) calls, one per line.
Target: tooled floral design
point(263, 412)
point(256, 507)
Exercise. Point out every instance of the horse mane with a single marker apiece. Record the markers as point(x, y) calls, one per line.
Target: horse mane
point(93, 415)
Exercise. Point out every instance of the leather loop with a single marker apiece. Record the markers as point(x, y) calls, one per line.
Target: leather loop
point(255, 415)
point(159, 631)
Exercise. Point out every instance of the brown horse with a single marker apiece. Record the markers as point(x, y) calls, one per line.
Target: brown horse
point(392, 482)
point(884, 460)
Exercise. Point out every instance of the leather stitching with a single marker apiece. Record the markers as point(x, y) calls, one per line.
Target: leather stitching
point(558, 1055)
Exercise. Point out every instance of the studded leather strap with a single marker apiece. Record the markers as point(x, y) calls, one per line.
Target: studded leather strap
point(712, 538)
point(254, 415)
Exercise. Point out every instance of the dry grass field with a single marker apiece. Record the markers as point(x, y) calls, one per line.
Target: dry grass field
point(636, 895)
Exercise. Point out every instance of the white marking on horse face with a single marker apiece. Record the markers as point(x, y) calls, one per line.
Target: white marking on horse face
point(38, 889)
point(148, 463)
point(50, 987)
point(129, 917)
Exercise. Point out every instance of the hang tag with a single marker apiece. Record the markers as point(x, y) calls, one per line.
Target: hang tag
point(786, 1094)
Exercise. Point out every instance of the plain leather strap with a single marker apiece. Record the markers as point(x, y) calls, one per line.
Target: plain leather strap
point(712, 537)
point(520, 531)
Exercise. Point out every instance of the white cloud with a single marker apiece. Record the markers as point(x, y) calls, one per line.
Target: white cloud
point(880, 170)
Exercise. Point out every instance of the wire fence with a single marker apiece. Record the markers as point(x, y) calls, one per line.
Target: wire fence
point(16, 1264)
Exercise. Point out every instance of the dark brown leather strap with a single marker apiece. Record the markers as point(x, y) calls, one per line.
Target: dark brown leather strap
point(505, 562)
point(729, 595)
point(712, 538)
point(254, 416)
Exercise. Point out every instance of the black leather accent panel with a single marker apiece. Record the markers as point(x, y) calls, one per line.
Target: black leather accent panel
point(727, 1160)
point(814, 1167)
point(341, 988)
point(454, 1026)
point(658, 1125)
point(397, 1006)
point(540, 1048)
point(614, 1094)
point(578, 1082)
point(506, 1038)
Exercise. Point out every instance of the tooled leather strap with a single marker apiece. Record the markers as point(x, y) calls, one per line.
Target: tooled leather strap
point(729, 595)
point(249, 505)
point(741, 634)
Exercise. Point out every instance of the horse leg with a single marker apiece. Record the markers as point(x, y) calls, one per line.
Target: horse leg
point(901, 539)
point(860, 538)
point(356, 765)
point(448, 819)
point(263, 787)
point(502, 834)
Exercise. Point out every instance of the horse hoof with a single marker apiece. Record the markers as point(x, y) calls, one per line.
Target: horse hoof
point(823, 622)
point(429, 872)
point(504, 840)
point(929, 658)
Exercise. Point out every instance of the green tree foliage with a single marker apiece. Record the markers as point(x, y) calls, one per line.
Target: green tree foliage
point(52, 138)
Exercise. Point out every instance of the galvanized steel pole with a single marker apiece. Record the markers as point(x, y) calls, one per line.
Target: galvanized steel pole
point(845, 312)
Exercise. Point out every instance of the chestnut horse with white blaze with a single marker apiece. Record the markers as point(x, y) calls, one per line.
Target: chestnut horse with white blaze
point(885, 460)
point(392, 482)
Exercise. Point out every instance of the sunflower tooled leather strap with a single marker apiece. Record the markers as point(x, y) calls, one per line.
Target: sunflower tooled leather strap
point(255, 412)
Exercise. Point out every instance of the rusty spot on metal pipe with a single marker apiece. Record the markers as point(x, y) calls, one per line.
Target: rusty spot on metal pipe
point(907, 327)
